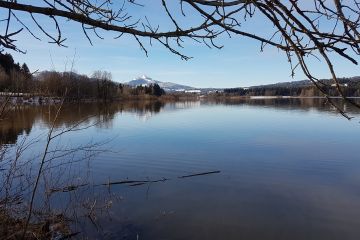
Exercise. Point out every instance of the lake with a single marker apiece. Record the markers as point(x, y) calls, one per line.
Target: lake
point(227, 169)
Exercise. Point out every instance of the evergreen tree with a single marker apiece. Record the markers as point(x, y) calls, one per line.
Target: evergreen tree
point(7, 62)
point(25, 69)
point(157, 90)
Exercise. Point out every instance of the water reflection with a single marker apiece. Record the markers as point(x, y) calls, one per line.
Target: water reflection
point(305, 104)
point(21, 118)
point(289, 167)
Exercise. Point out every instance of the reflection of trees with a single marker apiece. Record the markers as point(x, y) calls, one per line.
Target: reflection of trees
point(141, 107)
point(20, 119)
point(305, 104)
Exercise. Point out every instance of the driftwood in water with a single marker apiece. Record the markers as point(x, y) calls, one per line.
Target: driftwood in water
point(133, 183)
point(199, 174)
point(122, 182)
point(137, 184)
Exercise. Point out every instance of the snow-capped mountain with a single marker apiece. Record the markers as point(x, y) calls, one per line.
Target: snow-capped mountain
point(167, 86)
point(143, 80)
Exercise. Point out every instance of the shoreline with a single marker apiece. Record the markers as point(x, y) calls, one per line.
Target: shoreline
point(41, 100)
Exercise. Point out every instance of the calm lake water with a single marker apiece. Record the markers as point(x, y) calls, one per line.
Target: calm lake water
point(285, 168)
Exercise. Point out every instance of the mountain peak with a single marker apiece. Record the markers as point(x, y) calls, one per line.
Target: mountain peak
point(143, 77)
point(167, 86)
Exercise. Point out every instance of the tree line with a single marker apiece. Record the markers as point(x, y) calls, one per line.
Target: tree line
point(17, 79)
point(349, 86)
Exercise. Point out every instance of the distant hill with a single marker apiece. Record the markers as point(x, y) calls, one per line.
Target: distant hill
point(167, 86)
point(306, 83)
point(305, 88)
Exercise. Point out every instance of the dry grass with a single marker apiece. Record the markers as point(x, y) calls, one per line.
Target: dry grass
point(54, 227)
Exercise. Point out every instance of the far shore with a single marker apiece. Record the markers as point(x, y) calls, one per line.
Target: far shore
point(27, 98)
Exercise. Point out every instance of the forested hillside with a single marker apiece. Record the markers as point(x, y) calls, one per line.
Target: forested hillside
point(350, 86)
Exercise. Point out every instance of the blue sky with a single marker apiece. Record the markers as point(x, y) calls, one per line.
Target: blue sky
point(239, 63)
